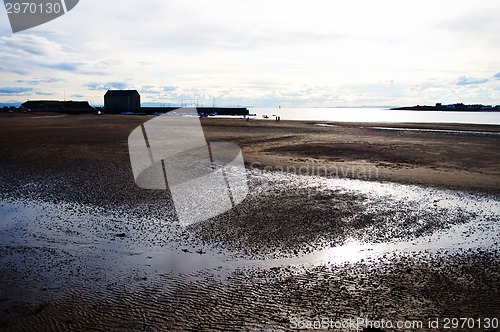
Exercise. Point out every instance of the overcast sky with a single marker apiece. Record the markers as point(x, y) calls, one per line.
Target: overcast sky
point(260, 53)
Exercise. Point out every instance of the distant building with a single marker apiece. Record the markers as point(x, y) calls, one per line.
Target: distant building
point(58, 106)
point(118, 101)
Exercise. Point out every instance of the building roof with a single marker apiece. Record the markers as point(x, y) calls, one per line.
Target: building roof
point(121, 93)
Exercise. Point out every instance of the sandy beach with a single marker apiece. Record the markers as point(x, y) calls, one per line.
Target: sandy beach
point(84, 248)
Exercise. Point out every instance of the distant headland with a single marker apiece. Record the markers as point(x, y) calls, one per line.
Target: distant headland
point(452, 107)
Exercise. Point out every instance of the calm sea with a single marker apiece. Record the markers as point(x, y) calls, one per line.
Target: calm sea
point(377, 115)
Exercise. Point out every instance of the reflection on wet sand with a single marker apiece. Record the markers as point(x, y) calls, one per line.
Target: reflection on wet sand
point(299, 245)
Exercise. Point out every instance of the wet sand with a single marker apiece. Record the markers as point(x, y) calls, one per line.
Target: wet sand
point(363, 150)
point(96, 252)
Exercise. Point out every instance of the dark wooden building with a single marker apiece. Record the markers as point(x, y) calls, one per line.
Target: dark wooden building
point(76, 107)
point(118, 101)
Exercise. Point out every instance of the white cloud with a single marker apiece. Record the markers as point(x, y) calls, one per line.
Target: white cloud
point(256, 52)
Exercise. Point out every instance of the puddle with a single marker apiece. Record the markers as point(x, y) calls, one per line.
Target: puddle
point(326, 125)
point(49, 116)
point(446, 131)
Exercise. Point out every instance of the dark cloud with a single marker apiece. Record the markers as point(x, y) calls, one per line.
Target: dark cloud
point(28, 44)
point(464, 80)
point(66, 66)
point(39, 81)
point(9, 91)
point(169, 88)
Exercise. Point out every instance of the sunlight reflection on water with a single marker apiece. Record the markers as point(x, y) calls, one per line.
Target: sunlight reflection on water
point(157, 239)
point(377, 115)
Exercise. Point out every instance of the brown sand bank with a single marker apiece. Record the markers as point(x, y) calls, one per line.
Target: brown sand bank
point(98, 144)
point(356, 150)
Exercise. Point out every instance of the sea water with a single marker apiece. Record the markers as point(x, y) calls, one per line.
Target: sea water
point(364, 114)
